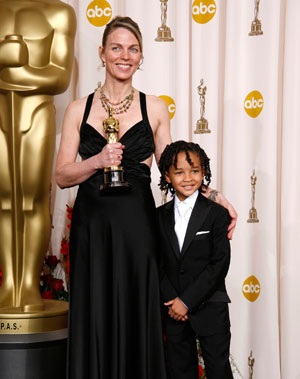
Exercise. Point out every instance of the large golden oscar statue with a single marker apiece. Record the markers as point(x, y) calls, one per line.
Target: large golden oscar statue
point(36, 56)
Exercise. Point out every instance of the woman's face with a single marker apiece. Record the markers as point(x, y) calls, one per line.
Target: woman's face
point(122, 54)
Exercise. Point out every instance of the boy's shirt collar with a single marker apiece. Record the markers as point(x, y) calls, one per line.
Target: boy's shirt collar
point(190, 201)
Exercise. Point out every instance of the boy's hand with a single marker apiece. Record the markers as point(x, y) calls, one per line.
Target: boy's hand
point(177, 310)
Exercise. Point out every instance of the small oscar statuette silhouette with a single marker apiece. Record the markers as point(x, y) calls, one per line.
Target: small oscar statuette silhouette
point(256, 23)
point(164, 32)
point(251, 362)
point(202, 123)
point(113, 175)
point(252, 212)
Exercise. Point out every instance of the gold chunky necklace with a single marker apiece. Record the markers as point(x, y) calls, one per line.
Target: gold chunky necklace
point(119, 107)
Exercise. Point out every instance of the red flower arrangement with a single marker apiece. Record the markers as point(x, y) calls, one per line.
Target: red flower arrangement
point(201, 372)
point(201, 367)
point(64, 249)
point(50, 286)
point(51, 261)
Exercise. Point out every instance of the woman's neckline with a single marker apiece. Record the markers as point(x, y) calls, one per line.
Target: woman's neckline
point(137, 123)
point(127, 131)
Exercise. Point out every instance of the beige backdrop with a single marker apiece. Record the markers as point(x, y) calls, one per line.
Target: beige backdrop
point(252, 107)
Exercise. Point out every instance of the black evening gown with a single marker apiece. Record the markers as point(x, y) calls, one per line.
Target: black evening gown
point(115, 320)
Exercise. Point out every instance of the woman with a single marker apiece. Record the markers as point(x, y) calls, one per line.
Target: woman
point(115, 320)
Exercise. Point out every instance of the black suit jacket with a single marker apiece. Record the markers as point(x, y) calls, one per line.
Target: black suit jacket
point(197, 274)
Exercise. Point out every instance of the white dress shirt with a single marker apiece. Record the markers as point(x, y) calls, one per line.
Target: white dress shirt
point(182, 212)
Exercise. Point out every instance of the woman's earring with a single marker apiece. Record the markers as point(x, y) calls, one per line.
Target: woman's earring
point(103, 64)
point(141, 62)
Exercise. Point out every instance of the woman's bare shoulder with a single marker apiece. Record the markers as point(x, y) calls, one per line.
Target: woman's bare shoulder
point(75, 110)
point(77, 105)
point(153, 100)
point(156, 105)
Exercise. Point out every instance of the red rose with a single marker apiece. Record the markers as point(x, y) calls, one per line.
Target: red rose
point(47, 295)
point(57, 285)
point(64, 247)
point(51, 261)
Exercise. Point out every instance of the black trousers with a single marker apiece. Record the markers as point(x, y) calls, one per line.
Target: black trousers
point(182, 357)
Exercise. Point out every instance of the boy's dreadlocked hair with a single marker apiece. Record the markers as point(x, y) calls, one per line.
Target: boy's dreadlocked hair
point(169, 157)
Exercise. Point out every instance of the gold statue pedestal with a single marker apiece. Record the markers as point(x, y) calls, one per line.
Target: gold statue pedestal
point(114, 179)
point(53, 317)
point(252, 216)
point(164, 34)
point(255, 28)
point(34, 343)
point(202, 127)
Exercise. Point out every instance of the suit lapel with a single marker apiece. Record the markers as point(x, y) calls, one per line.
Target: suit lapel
point(199, 214)
point(169, 222)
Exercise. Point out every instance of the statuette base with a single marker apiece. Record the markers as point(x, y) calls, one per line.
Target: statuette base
point(202, 127)
point(255, 28)
point(253, 216)
point(164, 34)
point(53, 317)
point(114, 179)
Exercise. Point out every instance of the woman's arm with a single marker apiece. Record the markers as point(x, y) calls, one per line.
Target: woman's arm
point(160, 117)
point(221, 199)
point(69, 172)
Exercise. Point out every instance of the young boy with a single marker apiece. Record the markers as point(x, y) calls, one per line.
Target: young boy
point(195, 254)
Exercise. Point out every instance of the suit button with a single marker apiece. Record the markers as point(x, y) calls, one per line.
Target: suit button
point(181, 272)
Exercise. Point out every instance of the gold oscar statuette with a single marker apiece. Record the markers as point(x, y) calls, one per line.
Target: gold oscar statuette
point(36, 58)
point(164, 32)
point(256, 23)
point(251, 362)
point(202, 123)
point(113, 175)
point(253, 212)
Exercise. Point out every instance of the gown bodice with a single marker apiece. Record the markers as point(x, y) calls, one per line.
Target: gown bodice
point(138, 141)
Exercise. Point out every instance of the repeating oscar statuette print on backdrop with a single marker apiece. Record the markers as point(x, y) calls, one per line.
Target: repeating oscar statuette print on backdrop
point(202, 123)
point(253, 212)
point(164, 32)
point(251, 362)
point(256, 23)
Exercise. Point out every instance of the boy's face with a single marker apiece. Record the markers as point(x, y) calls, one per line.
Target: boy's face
point(185, 179)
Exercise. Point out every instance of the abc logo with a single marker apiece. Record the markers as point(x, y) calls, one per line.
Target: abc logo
point(254, 103)
point(251, 288)
point(170, 103)
point(203, 10)
point(99, 12)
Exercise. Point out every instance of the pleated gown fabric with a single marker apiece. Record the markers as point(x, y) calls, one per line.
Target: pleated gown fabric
point(115, 320)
